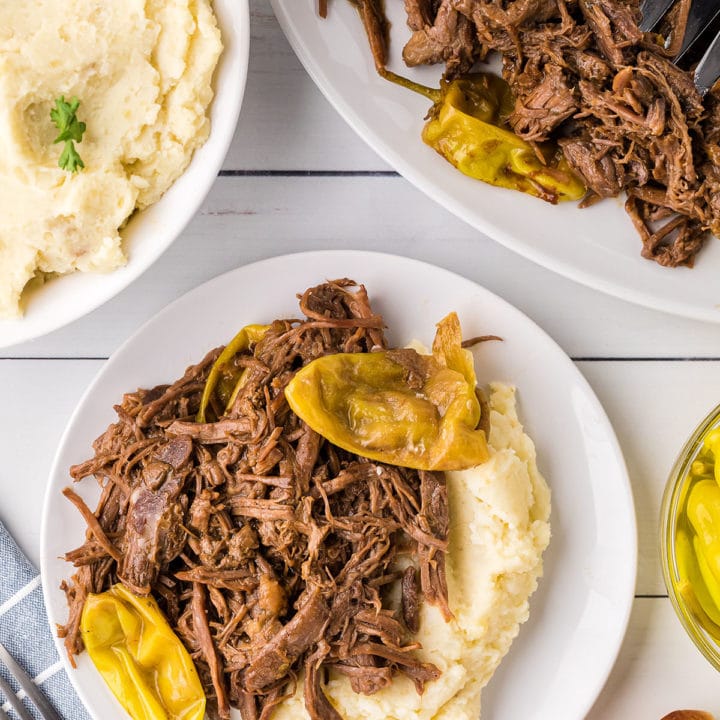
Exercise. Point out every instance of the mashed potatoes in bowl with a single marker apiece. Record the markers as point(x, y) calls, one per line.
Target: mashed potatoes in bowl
point(151, 94)
point(499, 529)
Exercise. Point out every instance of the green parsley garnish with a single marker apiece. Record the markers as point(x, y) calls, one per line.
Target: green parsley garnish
point(71, 131)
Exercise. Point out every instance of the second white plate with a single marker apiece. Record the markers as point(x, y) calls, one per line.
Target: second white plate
point(578, 616)
point(597, 246)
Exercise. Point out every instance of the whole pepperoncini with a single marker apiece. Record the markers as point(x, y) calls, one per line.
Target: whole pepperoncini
point(225, 379)
point(697, 538)
point(466, 126)
point(140, 657)
point(397, 406)
point(692, 586)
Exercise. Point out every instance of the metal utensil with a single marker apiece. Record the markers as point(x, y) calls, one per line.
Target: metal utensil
point(703, 14)
point(708, 70)
point(47, 712)
point(653, 11)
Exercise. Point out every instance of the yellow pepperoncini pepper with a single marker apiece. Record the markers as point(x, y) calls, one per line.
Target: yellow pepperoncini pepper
point(419, 411)
point(697, 537)
point(711, 445)
point(140, 657)
point(225, 380)
point(703, 512)
point(692, 586)
point(467, 126)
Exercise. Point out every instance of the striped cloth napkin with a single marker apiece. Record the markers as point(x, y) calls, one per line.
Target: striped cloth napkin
point(24, 631)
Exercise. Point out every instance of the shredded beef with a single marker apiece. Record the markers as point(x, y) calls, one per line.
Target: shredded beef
point(449, 39)
point(376, 26)
point(626, 118)
point(420, 13)
point(270, 550)
point(585, 76)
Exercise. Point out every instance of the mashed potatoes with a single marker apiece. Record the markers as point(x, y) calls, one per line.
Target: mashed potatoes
point(498, 530)
point(142, 70)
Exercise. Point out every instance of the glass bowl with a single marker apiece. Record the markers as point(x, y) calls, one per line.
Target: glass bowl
point(694, 619)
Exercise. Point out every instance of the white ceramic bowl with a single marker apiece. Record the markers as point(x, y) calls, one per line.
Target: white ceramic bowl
point(150, 232)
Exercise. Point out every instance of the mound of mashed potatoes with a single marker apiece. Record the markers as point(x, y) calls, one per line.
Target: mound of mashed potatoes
point(499, 529)
point(142, 70)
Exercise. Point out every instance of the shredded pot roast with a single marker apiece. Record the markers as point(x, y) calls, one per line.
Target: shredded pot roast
point(585, 76)
point(270, 550)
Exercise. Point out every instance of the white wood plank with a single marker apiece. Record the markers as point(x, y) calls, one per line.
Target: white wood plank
point(39, 397)
point(658, 670)
point(653, 406)
point(286, 123)
point(246, 219)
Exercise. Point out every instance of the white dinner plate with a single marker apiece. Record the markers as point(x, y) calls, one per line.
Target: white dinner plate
point(151, 231)
point(559, 662)
point(597, 246)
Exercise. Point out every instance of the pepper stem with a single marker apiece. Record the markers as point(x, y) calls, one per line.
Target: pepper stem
point(431, 93)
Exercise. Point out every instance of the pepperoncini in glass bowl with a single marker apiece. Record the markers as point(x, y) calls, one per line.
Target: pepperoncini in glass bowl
point(690, 537)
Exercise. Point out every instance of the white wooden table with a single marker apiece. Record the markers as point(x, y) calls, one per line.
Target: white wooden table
point(298, 178)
